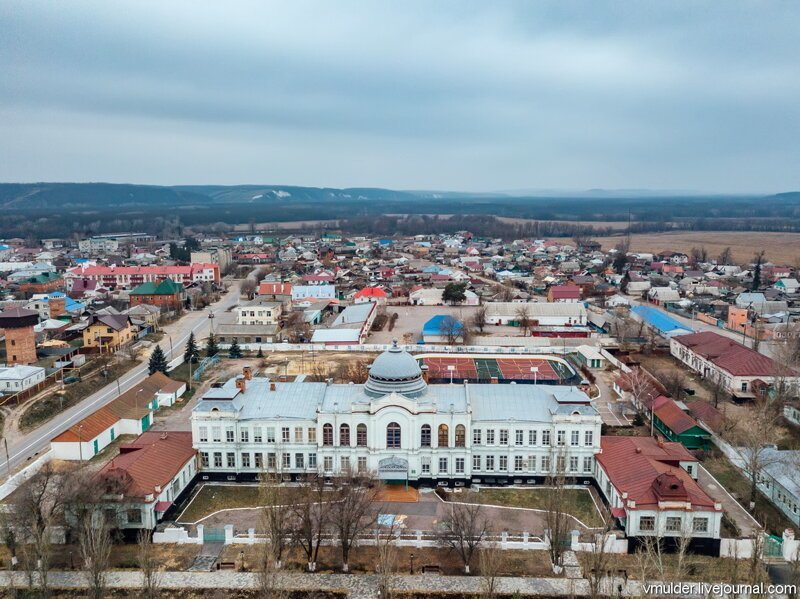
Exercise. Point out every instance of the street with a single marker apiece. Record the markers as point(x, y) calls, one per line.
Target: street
point(175, 335)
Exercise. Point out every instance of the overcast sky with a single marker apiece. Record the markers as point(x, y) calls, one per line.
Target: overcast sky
point(410, 95)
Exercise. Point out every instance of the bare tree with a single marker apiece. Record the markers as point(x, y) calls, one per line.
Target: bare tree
point(523, 317)
point(479, 318)
point(556, 505)
point(453, 330)
point(463, 530)
point(95, 548)
point(311, 517)
point(674, 382)
point(275, 516)
point(717, 390)
point(148, 564)
point(352, 512)
point(296, 328)
point(269, 586)
point(247, 288)
point(598, 561)
point(725, 257)
point(490, 560)
point(387, 558)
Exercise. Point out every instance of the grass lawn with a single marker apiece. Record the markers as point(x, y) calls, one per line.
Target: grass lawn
point(579, 501)
point(697, 567)
point(738, 485)
point(212, 498)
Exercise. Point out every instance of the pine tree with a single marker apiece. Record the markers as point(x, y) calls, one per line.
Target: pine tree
point(158, 362)
point(191, 353)
point(211, 346)
point(235, 351)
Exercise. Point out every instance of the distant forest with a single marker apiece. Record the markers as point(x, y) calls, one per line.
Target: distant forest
point(78, 210)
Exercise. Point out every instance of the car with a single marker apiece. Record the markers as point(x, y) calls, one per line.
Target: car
point(68, 380)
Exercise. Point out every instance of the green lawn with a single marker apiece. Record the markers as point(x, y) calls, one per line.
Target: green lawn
point(579, 502)
point(212, 498)
point(738, 485)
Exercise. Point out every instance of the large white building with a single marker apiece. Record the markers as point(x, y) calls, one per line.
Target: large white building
point(397, 426)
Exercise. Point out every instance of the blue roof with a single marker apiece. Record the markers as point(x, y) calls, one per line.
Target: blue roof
point(434, 325)
point(659, 320)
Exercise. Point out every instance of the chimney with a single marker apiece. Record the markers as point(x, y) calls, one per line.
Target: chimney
point(495, 380)
point(241, 384)
point(272, 386)
point(425, 373)
point(57, 306)
point(638, 450)
point(247, 371)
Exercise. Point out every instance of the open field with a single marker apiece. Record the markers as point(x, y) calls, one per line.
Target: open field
point(579, 501)
point(781, 248)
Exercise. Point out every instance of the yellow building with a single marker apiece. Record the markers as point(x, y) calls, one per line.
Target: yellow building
point(108, 332)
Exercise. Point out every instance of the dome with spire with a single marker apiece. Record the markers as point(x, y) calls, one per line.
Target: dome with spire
point(395, 371)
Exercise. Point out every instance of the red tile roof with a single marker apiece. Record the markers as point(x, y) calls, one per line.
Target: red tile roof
point(636, 465)
point(275, 289)
point(728, 354)
point(371, 292)
point(704, 411)
point(671, 414)
point(565, 292)
point(151, 461)
point(89, 428)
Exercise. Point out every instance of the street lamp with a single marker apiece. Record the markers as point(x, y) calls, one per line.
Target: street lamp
point(535, 371)
point(170, 346)
point(451, 368)
point(411, 557)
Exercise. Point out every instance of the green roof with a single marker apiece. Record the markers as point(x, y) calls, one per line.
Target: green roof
point(165, 287)
point(45, 277)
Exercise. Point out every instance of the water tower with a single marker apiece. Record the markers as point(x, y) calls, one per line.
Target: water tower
point(18, 325)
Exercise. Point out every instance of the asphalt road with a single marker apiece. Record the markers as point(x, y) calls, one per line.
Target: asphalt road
point(37, 441)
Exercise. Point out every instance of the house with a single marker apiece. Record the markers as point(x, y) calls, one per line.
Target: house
point(540, 313)
point(260, 311)
point(434, 297)
point(147, 477)
point(14, 379)
point(371, 294)
point(313, 292)
point(788, 285)
point(42, 283)
point(676, 425)
point(166, 294)
point(275, 290)
point(741, 370)
point(108, 332)
point(661, 296)
point(564, 294)
point(590, 357)
point(132, 276)
point(778, 479)
point(350, 327)
point(661, 322)
point(651, 489)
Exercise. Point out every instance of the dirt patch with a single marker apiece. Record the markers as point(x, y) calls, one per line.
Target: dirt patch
point(579, 502)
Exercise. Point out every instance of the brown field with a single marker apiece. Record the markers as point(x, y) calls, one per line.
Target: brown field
point(783, 248)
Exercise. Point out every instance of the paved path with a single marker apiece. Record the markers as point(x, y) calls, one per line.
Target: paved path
point(746, 523)
point(38, 440)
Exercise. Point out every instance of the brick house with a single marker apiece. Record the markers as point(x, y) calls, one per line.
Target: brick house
point(164, 294)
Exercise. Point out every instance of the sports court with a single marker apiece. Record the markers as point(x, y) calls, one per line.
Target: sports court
point(482, 369)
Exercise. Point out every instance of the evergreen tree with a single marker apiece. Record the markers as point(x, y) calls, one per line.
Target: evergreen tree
point(158, 362)
point(211, 346)
point(191, 353)
point(260, 353)
point(757, 272)
point(235, 351)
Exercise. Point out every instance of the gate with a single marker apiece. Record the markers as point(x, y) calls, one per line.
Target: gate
point(213, 535)
point(773, 546)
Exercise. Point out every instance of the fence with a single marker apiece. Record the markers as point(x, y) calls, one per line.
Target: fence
point(20, 477)
point(411, 348)
point(25, 394)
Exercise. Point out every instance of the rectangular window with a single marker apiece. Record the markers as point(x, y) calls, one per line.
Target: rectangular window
point(490, 463)
point(673, 524)
point(545, 463)
point(518, 463)
point(245, 435)
point(298, 460)
point(561, 438)
point(285, 434)
point(257, 434)
point(647, 523)
point(588, 438)
point(231, 459)
point(204, 458)
point(546, 438)
point(312, 434)
point(270, 434)
point(202, 432)
point(489, 436)
point(362, 465)
point(271, 463)
point(561, 464)
point(245, 460)
point(573, 464)
point(312, 461)
point(700, 524)
point(426, 465)
point(442, 465)
point(298, 434)
point(531, 463)
point(532, 438)
point(459, 465)
point(476, 436)
point(259, 458)
point(575, 438)
point(503, 436)
point(217, 459)
point(519, 437)
point(327, 463)
point(476, 463)
point(587, 464)
point(344, 463)
point(286, 460)
point(216, 434)
point(134, 516)
point(503, 463)
point(229, 435)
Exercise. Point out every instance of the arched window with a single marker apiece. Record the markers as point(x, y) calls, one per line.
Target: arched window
point(327, 434)
point(361, 435)
point(461, 436)
point(393, 435)
point(344, 434)
point(425, 435)
point(443, 435)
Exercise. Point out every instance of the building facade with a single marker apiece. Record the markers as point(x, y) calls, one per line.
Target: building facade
point(397, 426)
